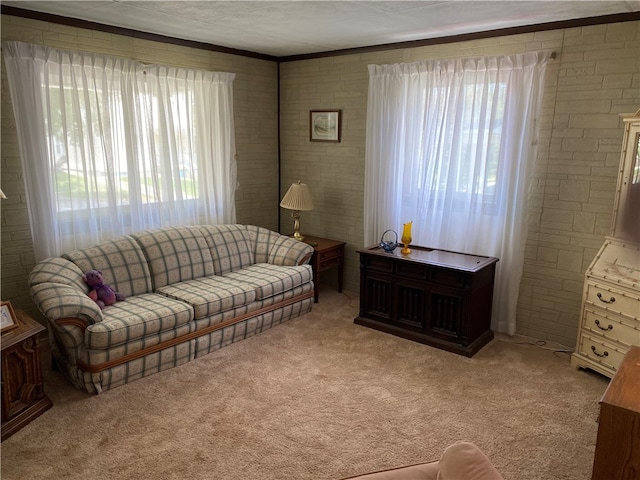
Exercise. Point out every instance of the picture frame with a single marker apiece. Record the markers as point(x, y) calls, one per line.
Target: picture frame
point(325, 125)
point(8, 318)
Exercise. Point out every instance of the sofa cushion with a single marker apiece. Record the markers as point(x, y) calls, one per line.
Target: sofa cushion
point(175, 254)
point(98, 356)
point(121, 261)
point(269, 280)
point(135, 318)
point(210, 295)
point(229, 245)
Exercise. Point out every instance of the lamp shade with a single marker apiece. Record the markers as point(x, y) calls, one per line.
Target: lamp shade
point(298, 197)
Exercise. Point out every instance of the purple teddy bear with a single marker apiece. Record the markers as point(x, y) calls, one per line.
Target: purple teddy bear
point(100, 292)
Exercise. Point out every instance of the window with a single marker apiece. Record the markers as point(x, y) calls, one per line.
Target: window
point(467, 158)
point(450, 146)
point(111, 146)
point(160, 174)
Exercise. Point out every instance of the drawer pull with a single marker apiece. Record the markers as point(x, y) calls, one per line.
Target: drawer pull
point(602, 355)
point(611, 300)
point(610, 327)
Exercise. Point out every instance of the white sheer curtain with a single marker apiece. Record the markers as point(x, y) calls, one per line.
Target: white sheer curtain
point(451, 147)
point(111, 146)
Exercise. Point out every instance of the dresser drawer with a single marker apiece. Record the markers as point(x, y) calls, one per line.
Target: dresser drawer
point(335, 253)
point(330, 259)
point(613, 300)
point(412, 270)
point(612, 328)
point(378, 264)
point(452, 278)
point(600, 351)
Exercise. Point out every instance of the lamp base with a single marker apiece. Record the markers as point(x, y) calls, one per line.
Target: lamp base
point(296, 226)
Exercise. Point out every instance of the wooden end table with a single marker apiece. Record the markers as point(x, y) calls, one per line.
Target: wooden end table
point(327, 254)
point(617, 455)
point(23, 397)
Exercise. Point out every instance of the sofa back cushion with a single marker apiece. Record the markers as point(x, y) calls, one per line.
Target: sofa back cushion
point(121, 261)
point(229, 246)
point(175, 254)
point(262, 241)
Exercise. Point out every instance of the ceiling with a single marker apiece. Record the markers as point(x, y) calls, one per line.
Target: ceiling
point(286, 28)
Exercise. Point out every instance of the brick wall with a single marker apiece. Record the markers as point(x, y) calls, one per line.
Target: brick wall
point(595, 77)
point(256, 121)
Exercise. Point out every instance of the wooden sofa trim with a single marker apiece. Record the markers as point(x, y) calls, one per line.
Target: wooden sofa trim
point(306, 259)
point(184, 338)
point(78, 322)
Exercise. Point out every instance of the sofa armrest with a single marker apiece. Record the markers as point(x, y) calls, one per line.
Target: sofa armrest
point(466, 460)
point(57, 270)
point(422, 471)
point(288, 252)
point(57, 301)
point(460, 461)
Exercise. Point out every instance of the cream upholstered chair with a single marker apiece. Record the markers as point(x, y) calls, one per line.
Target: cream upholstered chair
point(460, 461)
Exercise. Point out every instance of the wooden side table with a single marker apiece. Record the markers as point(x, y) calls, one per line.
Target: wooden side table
point(23, 397)
point(328, 254)
point(617, 455)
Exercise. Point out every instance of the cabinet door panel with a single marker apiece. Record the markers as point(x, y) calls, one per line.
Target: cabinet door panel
point(446, 311)
point(18, 375)
point(410, 304)
point(377, 298)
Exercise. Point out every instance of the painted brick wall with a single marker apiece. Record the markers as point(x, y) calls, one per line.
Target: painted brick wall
point(256, 121)
point(595, 77)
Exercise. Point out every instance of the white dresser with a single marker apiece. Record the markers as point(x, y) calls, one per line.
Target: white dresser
point(610, 318)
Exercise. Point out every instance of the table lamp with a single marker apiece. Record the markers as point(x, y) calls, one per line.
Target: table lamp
point(298, 198)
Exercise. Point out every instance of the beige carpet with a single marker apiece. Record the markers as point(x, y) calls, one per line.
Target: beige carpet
point(319, 398)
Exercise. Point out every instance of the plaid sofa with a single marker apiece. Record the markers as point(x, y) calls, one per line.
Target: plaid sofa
point(190, 290)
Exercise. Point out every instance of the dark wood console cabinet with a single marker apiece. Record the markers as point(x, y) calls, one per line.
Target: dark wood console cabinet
point(431, 296)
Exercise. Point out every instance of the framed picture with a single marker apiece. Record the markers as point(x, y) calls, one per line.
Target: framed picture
point(8, 319)
point(325, 125)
